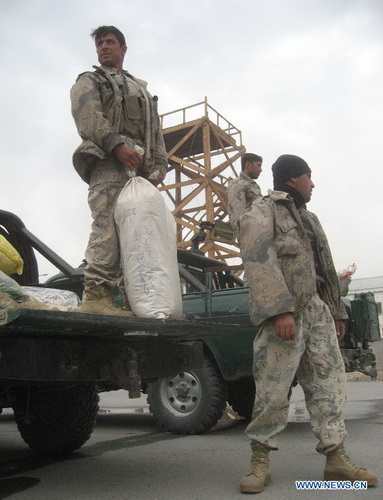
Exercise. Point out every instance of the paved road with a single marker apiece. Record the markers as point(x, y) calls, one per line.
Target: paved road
point(127, 458)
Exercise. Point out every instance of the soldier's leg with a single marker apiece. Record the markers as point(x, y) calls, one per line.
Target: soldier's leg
point(103, 270)
point(103, 252)
point(274, 366)
point(322, 376)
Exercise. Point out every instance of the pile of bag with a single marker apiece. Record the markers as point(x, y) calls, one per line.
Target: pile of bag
point(148, 255)
point(12, 295)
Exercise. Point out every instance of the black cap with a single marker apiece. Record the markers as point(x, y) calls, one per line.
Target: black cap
point(287, 166)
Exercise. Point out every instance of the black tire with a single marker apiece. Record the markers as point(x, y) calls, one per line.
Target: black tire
point(190, 403)
point(56, 421)
point(241, 397)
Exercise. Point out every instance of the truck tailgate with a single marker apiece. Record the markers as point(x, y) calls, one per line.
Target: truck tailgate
point(65, 324)
point(62, 347)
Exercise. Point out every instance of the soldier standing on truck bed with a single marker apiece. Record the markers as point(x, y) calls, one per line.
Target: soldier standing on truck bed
point(295, 300)
point(243, 190)
point(118, 121)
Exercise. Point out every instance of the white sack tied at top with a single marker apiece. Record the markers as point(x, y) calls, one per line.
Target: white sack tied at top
point(148, 251)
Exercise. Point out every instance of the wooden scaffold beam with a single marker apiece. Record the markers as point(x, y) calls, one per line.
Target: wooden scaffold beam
point(201, 153)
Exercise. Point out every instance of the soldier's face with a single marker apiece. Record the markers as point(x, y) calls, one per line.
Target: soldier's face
point(109, 51)
point(253, 169)
point(304, 185)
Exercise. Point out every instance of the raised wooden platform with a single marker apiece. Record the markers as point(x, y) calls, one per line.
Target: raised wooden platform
point(202, 147)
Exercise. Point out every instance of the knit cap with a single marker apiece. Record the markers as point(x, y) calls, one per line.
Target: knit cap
point(287, 166)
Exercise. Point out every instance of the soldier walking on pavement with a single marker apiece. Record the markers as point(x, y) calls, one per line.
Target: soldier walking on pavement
point(243, 190)
point(118, 122)
point(295, 301)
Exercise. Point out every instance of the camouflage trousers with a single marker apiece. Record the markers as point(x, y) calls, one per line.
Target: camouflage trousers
point(103, 251)
point(315, 358)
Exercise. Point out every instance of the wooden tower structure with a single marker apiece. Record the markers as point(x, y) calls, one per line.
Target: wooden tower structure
point(202, 147)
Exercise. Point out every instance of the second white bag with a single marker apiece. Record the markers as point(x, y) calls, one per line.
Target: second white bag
point(148, 251)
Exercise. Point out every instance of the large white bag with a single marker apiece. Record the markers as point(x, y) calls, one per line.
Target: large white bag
point(148, 251)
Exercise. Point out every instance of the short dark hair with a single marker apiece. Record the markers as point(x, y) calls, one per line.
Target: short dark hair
point(252, 157)
point(104, 30)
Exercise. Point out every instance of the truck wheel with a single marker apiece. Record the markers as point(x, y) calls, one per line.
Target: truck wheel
point(241, 397)
point(191, 402)
point(56, 421)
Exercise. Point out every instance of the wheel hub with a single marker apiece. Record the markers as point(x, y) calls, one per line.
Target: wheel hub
point(182, 391)
point(181, 394)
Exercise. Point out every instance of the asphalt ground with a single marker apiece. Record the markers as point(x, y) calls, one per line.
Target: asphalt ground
point(128, 458)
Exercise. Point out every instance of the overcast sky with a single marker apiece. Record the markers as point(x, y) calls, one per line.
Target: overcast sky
point(295, 76)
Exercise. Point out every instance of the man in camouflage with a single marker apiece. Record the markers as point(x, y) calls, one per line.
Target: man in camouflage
point(118, 122)
point(295, 301)
point(243, 190)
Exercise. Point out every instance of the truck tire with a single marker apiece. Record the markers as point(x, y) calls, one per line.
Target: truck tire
point(191, 402)
point(241, 397)
point(56, 421)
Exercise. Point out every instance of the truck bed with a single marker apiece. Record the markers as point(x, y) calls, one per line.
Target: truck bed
point(62, 347)
point(62, 324)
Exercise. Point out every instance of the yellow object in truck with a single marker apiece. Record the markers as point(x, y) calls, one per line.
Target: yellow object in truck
point(10, 260)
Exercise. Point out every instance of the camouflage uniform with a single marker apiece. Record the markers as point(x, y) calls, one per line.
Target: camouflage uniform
point(241, 193)
point(111, 108)
point(280, 269)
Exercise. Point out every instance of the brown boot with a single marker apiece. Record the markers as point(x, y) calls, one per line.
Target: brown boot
point(99, 300)
point(340, 467)
point(258, 474)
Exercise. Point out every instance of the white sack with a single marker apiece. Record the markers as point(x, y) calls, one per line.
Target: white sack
point(148, 251)
point(53, 296)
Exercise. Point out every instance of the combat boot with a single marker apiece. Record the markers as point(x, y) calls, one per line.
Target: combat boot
point(258, 474)
point(340, 467)
point(99, 300)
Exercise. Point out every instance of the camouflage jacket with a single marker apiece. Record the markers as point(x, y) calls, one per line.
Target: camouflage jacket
point(107, 113)
point(279, 262)
point(241, 193)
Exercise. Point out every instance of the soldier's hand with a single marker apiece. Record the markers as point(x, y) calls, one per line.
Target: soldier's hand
point(128, 157)
point(285, 326)
point(340, 329)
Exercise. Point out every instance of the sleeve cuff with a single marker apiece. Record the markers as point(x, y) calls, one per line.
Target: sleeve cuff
point(111, 141)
